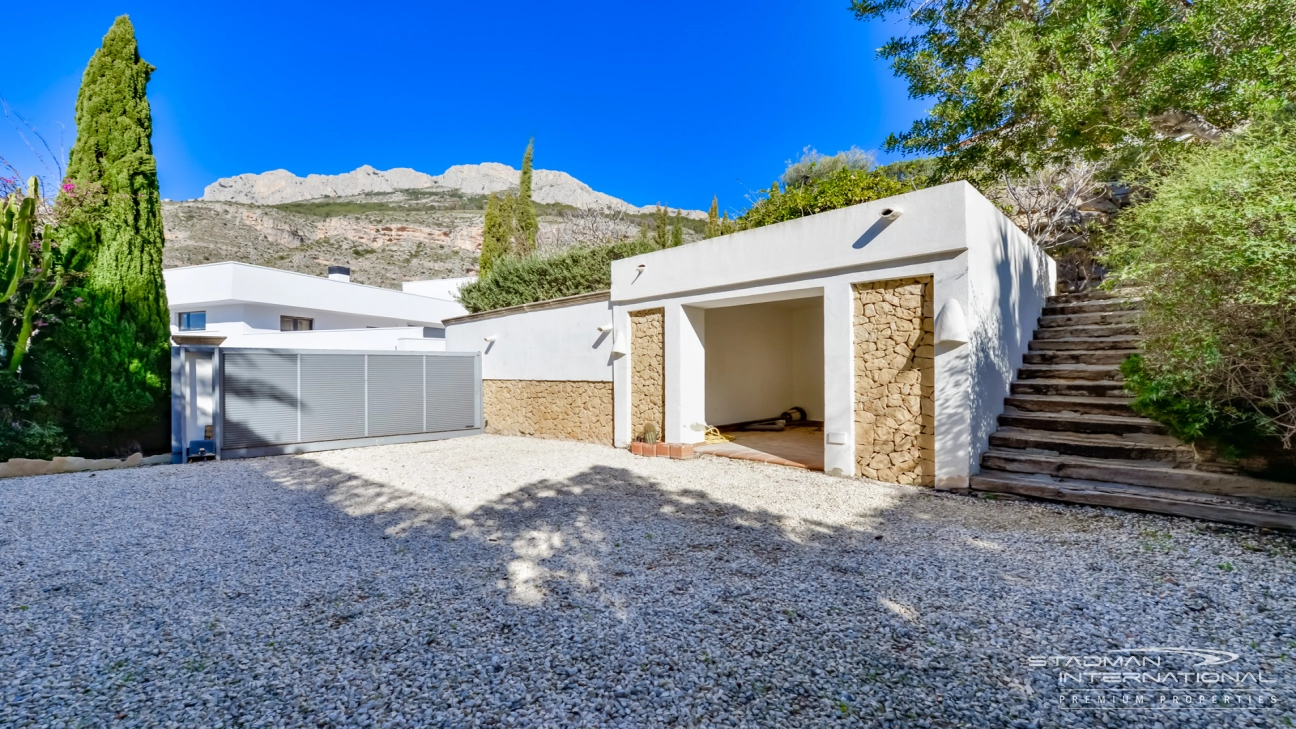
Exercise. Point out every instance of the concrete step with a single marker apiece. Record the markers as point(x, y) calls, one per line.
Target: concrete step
point(1070, 404)
point(1087, 332)
point(1073, 423)
point(1083, 388)
point(1087, 344)
point(1161, 448)
point(1080, 320)
point(1050, 357)
point(1070, 372)
point(1092, 307)
point(1090, 295)
point(1137, 473)
point(1224, 509)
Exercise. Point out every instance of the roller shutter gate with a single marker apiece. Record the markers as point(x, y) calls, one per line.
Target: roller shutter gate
point(286, 402)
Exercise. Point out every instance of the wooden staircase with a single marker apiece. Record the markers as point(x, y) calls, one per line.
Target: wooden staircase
point(1068, 432)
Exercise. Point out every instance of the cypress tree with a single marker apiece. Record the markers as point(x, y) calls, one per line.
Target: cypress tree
point(677, 231)
point(497, 231)
point(713, 219)
point(661, 231)
point(527, 224)
point(105, 367)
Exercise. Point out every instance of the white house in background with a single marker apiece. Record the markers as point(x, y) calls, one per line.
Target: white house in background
point(240, 305)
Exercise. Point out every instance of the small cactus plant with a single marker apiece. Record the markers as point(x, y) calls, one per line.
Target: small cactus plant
point(19, 242)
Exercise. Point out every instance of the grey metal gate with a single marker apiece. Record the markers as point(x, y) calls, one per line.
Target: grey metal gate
point(279, 401)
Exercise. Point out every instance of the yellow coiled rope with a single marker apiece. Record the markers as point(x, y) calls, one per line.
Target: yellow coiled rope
point(713, 435)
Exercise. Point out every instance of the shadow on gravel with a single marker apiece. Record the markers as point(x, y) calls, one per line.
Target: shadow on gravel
point(569, 531)
point(923, 612)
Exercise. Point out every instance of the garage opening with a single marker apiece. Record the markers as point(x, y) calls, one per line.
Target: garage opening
point(765, 364)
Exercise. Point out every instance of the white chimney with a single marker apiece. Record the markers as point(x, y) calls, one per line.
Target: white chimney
point(339, 273)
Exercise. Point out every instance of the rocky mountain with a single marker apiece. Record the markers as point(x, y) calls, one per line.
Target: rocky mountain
point(382, 247)
point(386, 237)
point(549, 187)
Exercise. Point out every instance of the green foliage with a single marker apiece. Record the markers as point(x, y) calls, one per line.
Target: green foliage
point(1165, 396)
point(913, 173)
point(106, 366)
point(497, 231)
point(26, 429)
point(841, 188)
point(527, 224)
point(677, 230)
point(1215, 248)
point(526, 280)
point(813, 167)
point(28, 289)
point(1018, 86)
point(661, 227)
point(713, 219)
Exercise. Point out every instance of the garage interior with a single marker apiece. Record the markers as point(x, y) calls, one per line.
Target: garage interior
point(763, 360)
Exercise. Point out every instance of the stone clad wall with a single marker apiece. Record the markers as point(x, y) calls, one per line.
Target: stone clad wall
point(549, 409)
point(647, 370)
point(895, 381)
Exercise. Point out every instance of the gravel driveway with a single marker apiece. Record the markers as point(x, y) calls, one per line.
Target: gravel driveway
point(494, 581)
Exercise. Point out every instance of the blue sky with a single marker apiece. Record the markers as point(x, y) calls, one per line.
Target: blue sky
point(666, 102)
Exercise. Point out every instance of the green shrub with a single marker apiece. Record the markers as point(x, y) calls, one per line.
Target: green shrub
point(526, 280)
point(841, 188)
point(26, 429)
point(1215, 248)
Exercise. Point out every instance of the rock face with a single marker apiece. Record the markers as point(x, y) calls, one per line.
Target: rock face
point(383, 248)
point(550, 187)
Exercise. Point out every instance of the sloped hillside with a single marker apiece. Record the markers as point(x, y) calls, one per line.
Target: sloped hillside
point(386, 238)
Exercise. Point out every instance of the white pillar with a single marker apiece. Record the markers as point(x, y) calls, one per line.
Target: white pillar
point(685, 374)
point(953, 421)
point(839, 379)
point(621, 377)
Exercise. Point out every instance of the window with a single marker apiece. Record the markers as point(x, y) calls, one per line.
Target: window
point(193, 321)
point(295, 324)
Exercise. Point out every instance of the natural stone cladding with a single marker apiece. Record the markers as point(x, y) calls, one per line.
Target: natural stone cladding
point(549, 409)
point(647, 370)
point(895, 381)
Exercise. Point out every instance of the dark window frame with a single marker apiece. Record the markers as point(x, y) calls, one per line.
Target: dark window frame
point(294, 323)
point(185, 321)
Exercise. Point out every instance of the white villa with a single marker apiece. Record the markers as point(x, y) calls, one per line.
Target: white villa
point(241, 305)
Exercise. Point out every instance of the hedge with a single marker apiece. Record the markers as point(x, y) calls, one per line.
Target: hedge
point(526, 280)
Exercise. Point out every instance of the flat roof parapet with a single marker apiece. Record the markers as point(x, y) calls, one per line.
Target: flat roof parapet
point(535, 306)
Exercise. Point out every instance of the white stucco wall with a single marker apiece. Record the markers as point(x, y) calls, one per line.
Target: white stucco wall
point(808, 360)
point(1009, 282)
point(548, 344)
point(762, 359)
point(446, 289)
point(376, 339)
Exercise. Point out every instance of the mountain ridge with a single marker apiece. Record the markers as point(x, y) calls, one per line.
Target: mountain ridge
point(277, 187)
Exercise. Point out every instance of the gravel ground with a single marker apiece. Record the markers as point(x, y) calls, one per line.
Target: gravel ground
point(495, 581)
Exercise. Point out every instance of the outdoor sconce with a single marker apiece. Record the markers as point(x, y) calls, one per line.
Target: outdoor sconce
point(620, 343)
point(951, 324)
point(891, 213)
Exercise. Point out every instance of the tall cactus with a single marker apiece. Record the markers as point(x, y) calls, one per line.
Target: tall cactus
point(18, 243)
